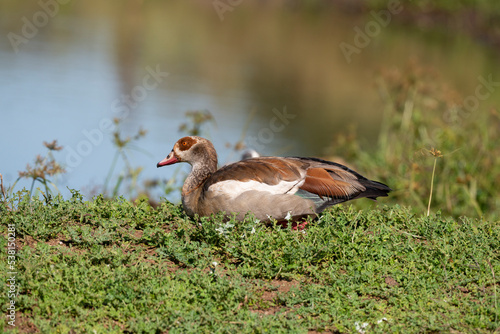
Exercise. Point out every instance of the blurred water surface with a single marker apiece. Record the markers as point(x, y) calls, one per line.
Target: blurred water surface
point(73, 71)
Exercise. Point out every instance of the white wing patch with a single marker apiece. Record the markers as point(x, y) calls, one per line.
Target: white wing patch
point(235, 188)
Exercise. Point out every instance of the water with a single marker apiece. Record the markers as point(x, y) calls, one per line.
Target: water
point(69, 79)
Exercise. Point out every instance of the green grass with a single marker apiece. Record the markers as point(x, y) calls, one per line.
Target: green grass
point(118, 266)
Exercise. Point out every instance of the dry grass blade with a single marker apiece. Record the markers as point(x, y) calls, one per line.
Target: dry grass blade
point(494, 288)
point(436, 154)
point(1, 186)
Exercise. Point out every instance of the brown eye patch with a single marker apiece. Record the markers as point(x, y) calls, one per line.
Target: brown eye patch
point(186, 143)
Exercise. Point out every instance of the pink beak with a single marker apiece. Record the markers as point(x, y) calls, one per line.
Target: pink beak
point(169, 160)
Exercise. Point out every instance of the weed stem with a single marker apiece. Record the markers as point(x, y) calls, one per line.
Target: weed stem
point(31, 189)
point(432, 185)
point(1, 186)
point(494, 288)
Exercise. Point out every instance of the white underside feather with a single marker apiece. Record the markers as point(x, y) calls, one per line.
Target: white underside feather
point(234, 188)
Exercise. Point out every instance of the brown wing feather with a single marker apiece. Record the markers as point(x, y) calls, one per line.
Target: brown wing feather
point(319, 181)
point(264, 169)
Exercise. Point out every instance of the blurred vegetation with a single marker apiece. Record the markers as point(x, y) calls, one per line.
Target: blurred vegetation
point(423, 113)
point(129, 174)
point(43, 168)
point(485, 6)
point(196, 121)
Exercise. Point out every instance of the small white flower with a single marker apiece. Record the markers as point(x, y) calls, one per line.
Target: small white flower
point(288, 215)
point(223, 229)
point(360, 327)
point(215, 264)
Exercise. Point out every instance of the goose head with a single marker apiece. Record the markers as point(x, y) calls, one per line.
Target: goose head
point(193, 150)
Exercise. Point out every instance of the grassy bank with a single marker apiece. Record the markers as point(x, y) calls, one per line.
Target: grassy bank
point(113, 266)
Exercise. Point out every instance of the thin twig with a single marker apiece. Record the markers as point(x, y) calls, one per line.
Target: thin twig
point(355, 226)
point(31, 189)
point(432, 185)
point(278, 274)
point(1, 186)
point(436, 154)
point(111, 169)
point(494, 288)
point(411, 235)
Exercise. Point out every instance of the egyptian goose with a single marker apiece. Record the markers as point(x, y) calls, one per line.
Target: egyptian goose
point(290, 188)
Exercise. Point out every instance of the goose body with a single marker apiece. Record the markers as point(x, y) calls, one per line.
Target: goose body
point(290, 188)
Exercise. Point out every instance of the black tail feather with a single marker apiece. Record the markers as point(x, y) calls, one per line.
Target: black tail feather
point(373, 190)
